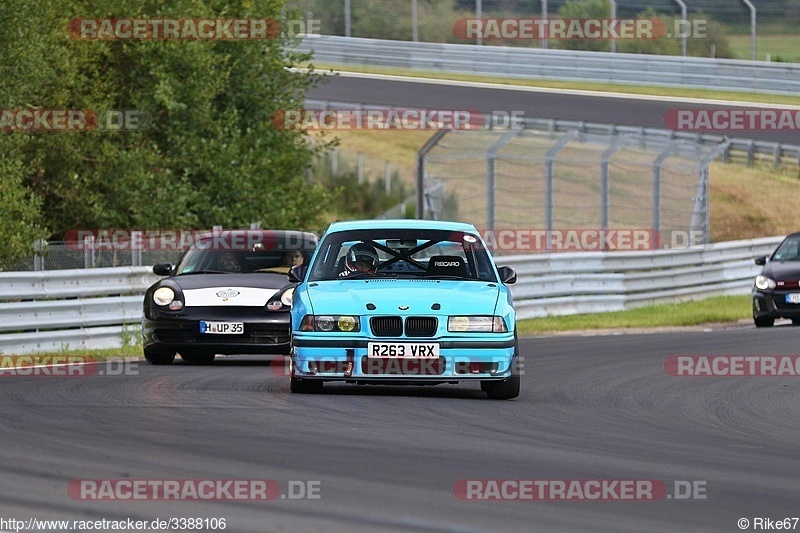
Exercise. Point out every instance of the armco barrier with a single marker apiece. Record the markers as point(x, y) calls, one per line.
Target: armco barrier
point(594, 282)
point(567, 65)
point(95, 308)
point(51, 310)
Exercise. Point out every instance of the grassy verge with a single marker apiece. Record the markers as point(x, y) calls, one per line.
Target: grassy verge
point(585, 86)
point(77, 356)
point(718, 309)
point(783, 47)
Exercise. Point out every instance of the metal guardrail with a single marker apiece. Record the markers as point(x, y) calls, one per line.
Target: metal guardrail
point(52, 310)
point(532, 63)
point(61, 316)
point(594, 282)
point(740, 150)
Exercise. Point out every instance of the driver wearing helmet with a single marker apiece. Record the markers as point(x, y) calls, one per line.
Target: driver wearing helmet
point(361, 258)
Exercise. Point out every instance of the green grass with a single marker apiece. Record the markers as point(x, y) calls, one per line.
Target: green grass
point(602, 87)
point(78, 356)
point(712, 310)
point(787, 47)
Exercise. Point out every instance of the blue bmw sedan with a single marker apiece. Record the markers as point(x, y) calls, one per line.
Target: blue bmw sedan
point(411, 302)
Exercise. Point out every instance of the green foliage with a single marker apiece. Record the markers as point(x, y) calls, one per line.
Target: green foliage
point(20, 218)
point(386, 19)
point(354, 200)
point(716, 39)
point(209, 154)
point(582, 9)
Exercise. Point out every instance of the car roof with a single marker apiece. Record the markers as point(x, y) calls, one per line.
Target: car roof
point(403, 223)
point(262, 232)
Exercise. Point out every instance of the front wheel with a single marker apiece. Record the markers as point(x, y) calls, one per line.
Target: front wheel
point(503, 390)
point(198, 358)
point(764, 321)
point(508, 388)
point(305, 386)
point(158, 358)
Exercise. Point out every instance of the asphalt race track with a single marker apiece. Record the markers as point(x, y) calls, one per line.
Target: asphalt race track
point(388, 458)
point(629, 111)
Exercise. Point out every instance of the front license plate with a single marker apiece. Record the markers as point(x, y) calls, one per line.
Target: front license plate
point(411, 350)
point(222, 328)
point(793, 298)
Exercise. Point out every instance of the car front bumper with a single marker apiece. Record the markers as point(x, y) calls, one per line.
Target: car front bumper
point(773, 304)
point(315, 357)
point(265, 332)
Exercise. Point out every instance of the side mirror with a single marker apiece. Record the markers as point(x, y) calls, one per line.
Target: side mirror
point(761, 260)
point(297, 273)
point(507, 275)
point(162, 269)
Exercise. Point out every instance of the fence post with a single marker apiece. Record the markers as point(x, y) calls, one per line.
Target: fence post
point(491, 155)
point(548, 183)
point(388, 180)
point(88, 251)
point(360, 168)
point(421, 155)
point(38, 254)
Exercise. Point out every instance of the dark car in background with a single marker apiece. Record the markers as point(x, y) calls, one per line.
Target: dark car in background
point(228, 294)
point(776, 293)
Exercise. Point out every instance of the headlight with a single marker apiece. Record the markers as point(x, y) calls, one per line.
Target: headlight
point(764, 283)
point(163, 296)
point(286, 297)
point(346, 323)
point(474, 324)
point(326, 323)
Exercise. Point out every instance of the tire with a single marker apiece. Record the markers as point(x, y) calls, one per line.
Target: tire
point(198, 358)
point(508, 388)
point(764, 321)
point(305, 386)
point(158, 358)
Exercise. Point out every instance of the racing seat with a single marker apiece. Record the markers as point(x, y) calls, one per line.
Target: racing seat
point(447, 265)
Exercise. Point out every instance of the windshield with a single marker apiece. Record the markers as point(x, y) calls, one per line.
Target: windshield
point(200, 261)
point(789, 250)
point(430, 254)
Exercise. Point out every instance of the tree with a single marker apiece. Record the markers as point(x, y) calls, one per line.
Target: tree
point(208, 154)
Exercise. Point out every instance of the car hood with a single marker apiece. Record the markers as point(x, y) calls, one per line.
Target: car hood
point(782, 270)
point(233, 290)
point(389, 295)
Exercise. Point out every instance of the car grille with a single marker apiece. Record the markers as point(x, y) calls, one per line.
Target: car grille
point(392, 326)
point(421, 326)
point(386, 326)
